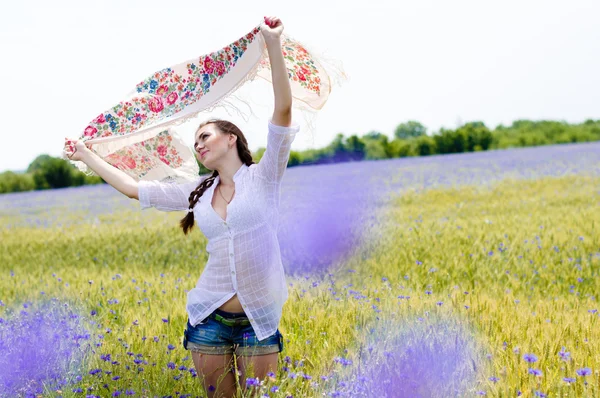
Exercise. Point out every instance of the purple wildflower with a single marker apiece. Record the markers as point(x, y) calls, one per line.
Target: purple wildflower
point(583, 372)
point(564, 355)
point(535, 372)
point(252, 382)
point(531, 358)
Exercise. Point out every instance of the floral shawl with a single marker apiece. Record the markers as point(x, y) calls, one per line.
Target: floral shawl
point(137, 135)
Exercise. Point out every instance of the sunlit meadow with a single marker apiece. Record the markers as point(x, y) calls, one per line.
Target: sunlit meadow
point(463, 275)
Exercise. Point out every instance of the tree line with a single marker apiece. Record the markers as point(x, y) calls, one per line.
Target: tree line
point(410, 138)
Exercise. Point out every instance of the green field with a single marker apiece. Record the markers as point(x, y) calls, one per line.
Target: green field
point(516, 264)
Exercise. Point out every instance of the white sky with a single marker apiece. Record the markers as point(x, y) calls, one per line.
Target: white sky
point(442, 62)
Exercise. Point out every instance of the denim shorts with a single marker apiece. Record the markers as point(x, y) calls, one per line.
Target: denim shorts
point(214, 337)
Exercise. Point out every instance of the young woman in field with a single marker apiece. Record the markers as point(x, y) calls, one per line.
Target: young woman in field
point(237, 302)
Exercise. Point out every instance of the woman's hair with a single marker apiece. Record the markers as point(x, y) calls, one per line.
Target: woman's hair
point(225, 127)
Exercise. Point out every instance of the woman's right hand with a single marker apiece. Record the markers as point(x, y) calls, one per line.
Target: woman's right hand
point(78, 149)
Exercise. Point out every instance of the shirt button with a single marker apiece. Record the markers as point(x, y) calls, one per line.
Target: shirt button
point(233, 272)
point(230, 254)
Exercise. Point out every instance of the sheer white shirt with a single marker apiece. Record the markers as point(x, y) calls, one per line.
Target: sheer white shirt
point(243, 250)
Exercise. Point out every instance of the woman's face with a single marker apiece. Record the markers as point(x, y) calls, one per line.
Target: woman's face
point(211, 146)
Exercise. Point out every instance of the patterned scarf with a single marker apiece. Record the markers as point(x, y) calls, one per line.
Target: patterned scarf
point(137, 135)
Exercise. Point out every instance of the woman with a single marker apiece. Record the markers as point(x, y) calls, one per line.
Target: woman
point(236, 305)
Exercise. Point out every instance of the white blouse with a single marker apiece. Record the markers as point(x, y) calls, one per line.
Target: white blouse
point(243, 250)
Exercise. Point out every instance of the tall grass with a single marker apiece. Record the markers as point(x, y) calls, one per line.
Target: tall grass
point(513, 266)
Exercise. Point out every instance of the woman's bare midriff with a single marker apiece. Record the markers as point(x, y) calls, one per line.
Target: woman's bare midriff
point(232, 305)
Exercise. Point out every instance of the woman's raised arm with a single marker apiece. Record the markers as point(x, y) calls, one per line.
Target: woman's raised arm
point(271, 30)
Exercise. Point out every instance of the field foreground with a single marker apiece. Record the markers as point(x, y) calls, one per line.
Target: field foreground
point(461, 290)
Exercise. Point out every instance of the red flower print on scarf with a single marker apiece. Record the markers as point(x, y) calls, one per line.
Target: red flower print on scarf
point(209, 65)
point(155, 104)
point(100, 119)
point(171, 98)
point(90, 131)
point(162, 150)
point(162, 90)
point(220, 68)
point(128, 162)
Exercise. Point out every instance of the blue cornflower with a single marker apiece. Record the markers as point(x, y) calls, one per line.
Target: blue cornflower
point(583, 372)
point(564, 355)
point(535, 372)
point(171, 347)
point(569, 379)
point(531, 358)
point(171, 365)
point(252, 382)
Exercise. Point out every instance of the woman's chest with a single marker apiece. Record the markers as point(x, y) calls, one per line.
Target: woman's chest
point(219, 211)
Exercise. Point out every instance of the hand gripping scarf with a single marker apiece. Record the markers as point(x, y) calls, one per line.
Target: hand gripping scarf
point(137, 135)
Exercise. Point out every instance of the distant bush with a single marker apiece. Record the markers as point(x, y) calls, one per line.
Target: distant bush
point(45, 172)
point(13, 182)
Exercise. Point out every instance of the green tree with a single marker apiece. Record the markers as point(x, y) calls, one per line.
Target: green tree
point(38, 163)
point(410, 129)
point(424, 146)
point(295, 159)
point(355, 147)
point(450, 141)
point(14, 182)
point(374, 135)
point(478, 136)
point(53, 173)
point(400, 149)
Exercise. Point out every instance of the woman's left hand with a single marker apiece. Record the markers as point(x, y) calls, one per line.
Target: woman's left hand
point(271, 29)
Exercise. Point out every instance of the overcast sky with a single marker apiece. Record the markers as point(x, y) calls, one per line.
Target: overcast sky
point(442, 62)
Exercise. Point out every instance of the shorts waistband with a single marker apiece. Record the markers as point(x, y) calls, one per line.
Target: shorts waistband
point(230, 315)
point(230, 318)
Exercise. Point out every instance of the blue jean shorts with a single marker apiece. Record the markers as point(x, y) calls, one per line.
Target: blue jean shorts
point(214, 337)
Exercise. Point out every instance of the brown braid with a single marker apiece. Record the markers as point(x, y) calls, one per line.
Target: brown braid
point(225, 127)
